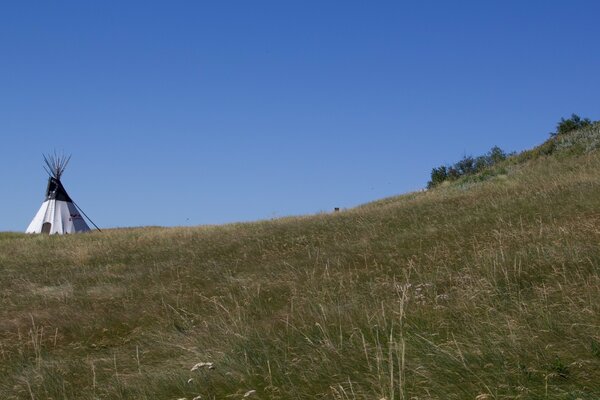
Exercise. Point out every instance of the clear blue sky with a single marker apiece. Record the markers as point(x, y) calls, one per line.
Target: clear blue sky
point(198, 112)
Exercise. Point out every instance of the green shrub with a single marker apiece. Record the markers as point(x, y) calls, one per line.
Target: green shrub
point(568, 125)
point(496, 155)
point(467, 166)
point(574, 135)
point(438, 175)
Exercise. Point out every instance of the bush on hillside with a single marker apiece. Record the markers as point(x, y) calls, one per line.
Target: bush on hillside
point(573, 135)
point(567, 125)
point(438, 175)
point(468, 165)
point(580, 141)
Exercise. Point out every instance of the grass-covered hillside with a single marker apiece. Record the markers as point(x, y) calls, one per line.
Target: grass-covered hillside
point(484, 288)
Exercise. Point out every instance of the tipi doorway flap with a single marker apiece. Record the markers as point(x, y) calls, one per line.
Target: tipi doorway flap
point(46, 227)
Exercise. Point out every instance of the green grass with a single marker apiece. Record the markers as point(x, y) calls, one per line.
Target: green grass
point(483, 289)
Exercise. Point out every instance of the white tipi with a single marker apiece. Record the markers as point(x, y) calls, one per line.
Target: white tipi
point(58, 213)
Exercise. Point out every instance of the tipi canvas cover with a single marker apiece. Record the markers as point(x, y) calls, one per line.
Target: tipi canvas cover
point(57, 214)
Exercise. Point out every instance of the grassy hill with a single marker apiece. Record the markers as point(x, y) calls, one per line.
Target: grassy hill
point(486, 288)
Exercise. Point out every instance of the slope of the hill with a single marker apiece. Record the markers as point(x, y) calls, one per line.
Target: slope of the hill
point(476, 290)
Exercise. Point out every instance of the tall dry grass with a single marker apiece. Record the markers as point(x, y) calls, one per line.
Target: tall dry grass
point(485, 290)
